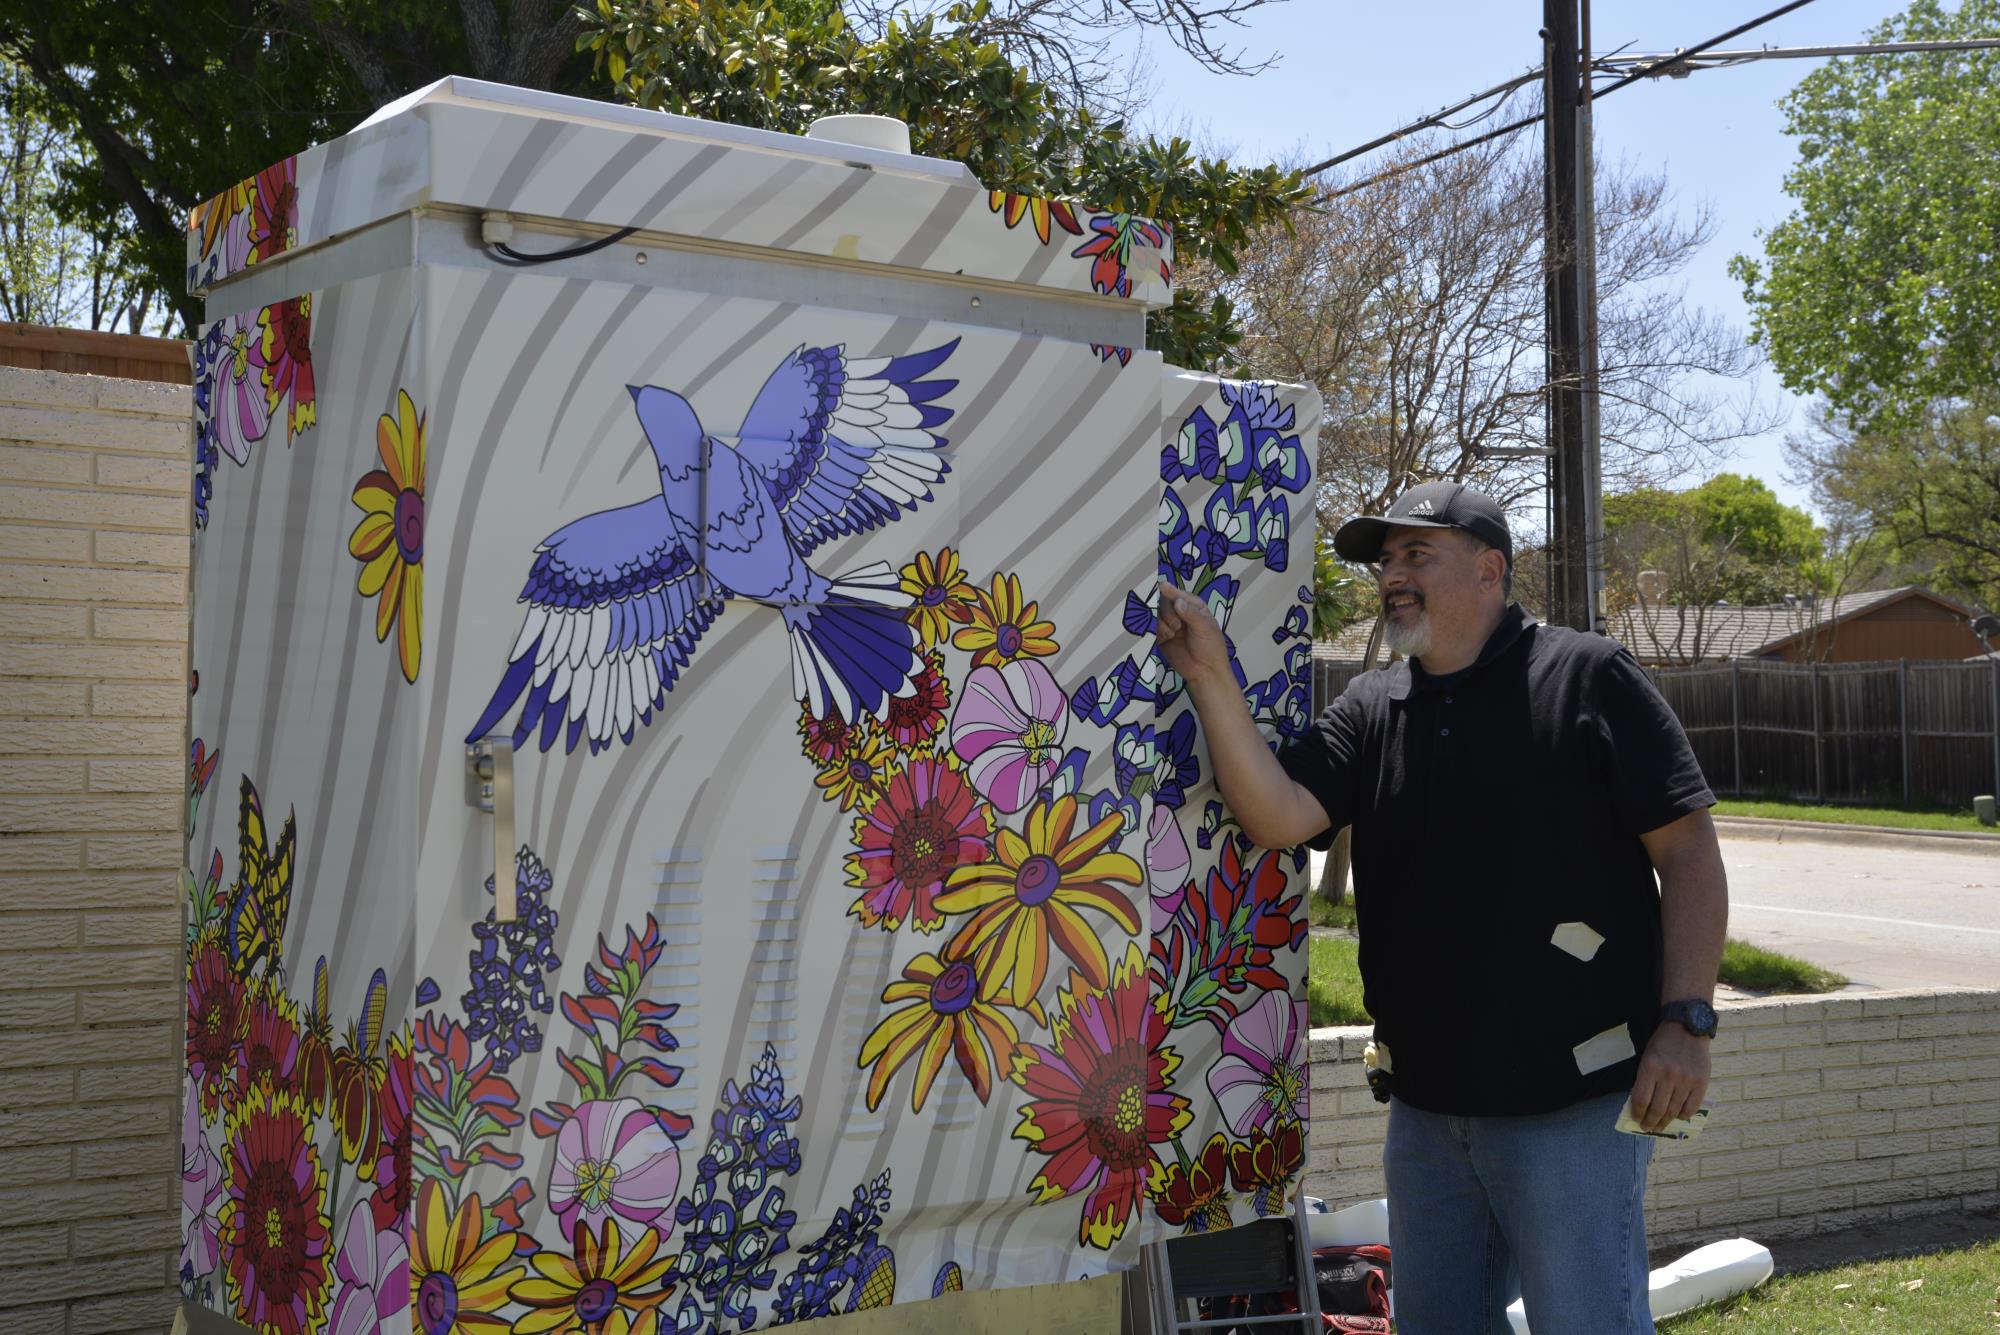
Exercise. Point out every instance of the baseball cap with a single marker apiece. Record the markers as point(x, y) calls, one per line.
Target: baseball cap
point(1428, 505)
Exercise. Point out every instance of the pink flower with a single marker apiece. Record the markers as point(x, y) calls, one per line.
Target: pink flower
point(1261, 1076)
point(201, 1193)
point(372, 1277)
point(1009, 730)
point(613, 1158)
point(1167, 865)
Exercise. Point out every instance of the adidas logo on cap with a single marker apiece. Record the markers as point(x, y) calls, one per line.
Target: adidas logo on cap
point(1423, 507)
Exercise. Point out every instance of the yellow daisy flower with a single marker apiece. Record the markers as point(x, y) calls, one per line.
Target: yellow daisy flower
point(582, 1293)
point(389, 540)
point(1033, 892)
point(457, 1285)
point(942, 594)
point(860, 774)
point(1004, 627)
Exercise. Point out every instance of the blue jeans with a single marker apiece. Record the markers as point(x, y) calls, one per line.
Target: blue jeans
point(1548, 1208)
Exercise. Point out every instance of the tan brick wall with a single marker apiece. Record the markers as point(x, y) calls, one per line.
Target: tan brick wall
point(94, 478)
point(1827, 1113)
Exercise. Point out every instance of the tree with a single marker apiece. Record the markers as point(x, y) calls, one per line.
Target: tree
point(1878, 292)
point(1416, 306)
point(51, 271)
point(963, 98)
point(173, 100)
point(1929, 491)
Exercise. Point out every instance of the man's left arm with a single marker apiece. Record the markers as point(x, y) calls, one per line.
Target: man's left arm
point(1694, 913)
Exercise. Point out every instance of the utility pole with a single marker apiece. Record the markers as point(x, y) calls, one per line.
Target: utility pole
point(1572, 470)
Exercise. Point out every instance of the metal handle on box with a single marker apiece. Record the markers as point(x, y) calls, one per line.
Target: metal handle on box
point(490, 784)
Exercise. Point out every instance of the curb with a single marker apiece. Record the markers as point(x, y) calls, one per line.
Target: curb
point(1828, 832)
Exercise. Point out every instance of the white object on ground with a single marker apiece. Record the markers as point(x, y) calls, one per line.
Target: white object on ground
point(1705, 1275)
point(1356, 1226)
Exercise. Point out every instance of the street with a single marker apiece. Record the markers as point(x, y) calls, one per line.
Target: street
point(1916, 914)
point(1902, 916)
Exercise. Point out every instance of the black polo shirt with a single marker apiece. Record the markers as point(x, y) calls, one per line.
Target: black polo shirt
point(1497, 815)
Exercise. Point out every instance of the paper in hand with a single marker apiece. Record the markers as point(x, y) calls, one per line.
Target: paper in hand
point(1680, 1128)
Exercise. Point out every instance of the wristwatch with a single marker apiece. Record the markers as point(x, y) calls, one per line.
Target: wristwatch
point(1694, 1015)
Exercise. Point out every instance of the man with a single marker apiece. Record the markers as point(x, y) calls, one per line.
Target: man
point(1513, 789)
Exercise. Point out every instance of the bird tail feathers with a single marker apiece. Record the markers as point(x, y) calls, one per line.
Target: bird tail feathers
point(854, 651)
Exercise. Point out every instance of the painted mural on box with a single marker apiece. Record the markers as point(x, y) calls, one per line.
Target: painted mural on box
point(1103, 975)
point(253, 371)
point(1110, 243)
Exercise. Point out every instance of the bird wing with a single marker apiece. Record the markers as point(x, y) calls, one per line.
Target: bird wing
point(615, 605)
point(846, 445)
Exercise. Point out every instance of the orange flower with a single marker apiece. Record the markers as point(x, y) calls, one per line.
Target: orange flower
point(1004, 627)
point(953, 1014)
point(941, 593)
point(1033, 891)
point(857, 776)
point(1016, 207)
point(389, 540)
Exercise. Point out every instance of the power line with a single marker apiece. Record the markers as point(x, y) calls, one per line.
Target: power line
point(1678, 64)
point(1642, 72)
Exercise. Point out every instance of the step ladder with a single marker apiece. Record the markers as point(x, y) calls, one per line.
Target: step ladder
point(1271, 1256)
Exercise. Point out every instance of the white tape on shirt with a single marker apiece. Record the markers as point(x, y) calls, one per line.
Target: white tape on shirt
point(1609, 1048)
point(1578, 938)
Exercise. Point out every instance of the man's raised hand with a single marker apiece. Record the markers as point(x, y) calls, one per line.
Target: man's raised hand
point(1189, 638)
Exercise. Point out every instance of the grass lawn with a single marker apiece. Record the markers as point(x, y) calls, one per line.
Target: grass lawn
point(1944, 1293)
point(1333, 995)
point(1755, 969)
point(1893, 816)
point(1326, 914)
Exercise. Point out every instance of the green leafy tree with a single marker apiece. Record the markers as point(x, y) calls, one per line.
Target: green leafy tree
point(171, 101)
point(1882, 290)
point(965, 98)
point(1929, 493)
point(1729, 540)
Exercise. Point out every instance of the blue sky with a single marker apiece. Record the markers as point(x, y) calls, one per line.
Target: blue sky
point(1351, 71)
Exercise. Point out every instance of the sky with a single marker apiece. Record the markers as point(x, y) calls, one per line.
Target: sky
point(1349, 71)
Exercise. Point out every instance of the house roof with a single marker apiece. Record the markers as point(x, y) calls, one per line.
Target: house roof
point(1349, 645)
point(1659, 630)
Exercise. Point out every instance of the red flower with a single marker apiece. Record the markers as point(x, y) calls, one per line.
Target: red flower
point(214, 1021)
point(391, 1201)
point(284, 350)
point(915, 718)
point(1266, 1165)
point(274, 217)
point(927, 823)
point(274, 1229)
point(270, 1046)
point(828, 738)
point(1196, 1194)
point(1099, 1100)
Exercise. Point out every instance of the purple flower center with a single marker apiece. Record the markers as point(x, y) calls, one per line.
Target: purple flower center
point(1007, 639)
point(595, 1300)
point(955, 989)
point(1037, 880)
point(933, 595)
point(437, 1303)
point(410, 526)
point(860, 771)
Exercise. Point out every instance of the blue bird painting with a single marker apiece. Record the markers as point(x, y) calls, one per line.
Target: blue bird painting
point(618, 599)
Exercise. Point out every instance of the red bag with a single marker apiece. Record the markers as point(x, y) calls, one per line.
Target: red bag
point(1353, 1281)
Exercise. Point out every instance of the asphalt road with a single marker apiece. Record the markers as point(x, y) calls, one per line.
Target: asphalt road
point(1907, 915)
point(1915, 914)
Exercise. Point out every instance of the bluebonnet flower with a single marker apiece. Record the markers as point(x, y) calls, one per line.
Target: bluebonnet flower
point(1156, 761)
point(507, 962)
point(734, 1220)
point(842, 1261)
point(1262, 417)
point(1295, 625)
point(1274, 531)
point(1232, 522)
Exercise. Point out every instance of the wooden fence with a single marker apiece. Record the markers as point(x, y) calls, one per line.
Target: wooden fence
point(90, 352)
point(1910, 733)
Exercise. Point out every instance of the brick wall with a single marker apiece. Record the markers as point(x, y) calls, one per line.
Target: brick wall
point(93, 624)
point(1827, 1113)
